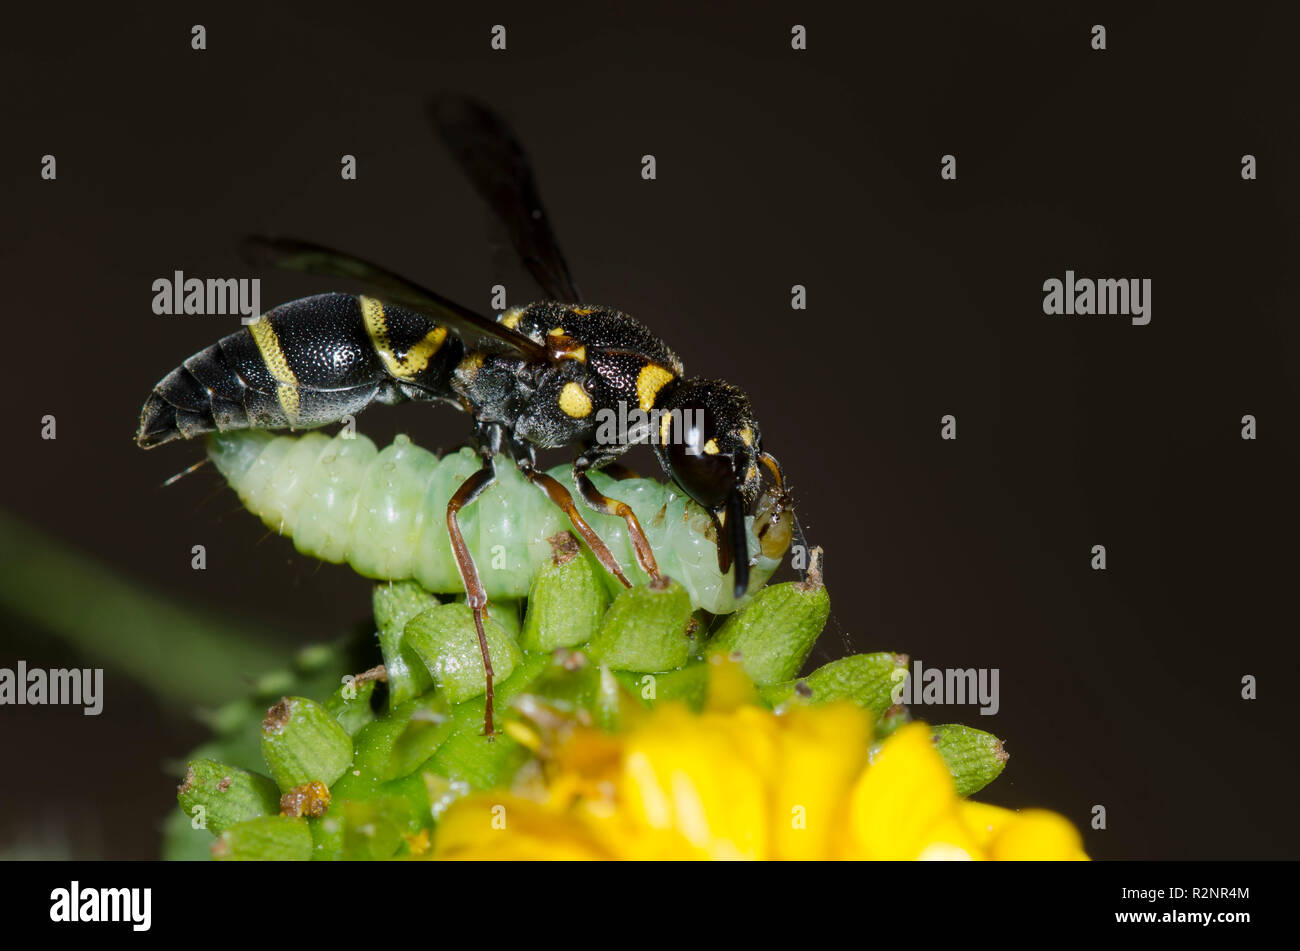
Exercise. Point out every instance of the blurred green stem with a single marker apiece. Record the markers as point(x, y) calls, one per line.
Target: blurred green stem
point(180, 654)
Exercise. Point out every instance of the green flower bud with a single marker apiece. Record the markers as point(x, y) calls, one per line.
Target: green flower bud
point(893, 718)
point(866, 679)
point(570, 683)
point(508, 612)
point(373, 830)
point(974, 758)
point(265, 839)
point(229, 717)
point(690, 685)
point(395, 604)
point(327, 837)
point(394, 747)
point(571, 686)
point(775, 632)
point(314, 657)
point(222, 796)
point(301, 742)
point(275, 683)
point(446, 641)
point(645, 629)
point(567, 601)
point(469, 756)
point(350, 703)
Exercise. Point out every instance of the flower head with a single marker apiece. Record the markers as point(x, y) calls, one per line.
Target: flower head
point(738, 781)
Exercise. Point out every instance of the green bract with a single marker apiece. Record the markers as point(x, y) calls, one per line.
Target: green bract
point(303, 743)
point(219, 797)
point(647, 628)
point(445, 640)
point(398, 742)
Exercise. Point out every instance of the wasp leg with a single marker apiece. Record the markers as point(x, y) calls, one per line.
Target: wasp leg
point(602, 503)
point(561, 496)
point(475, 594)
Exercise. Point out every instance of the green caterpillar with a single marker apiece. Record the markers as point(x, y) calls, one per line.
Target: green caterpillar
point(384, 513)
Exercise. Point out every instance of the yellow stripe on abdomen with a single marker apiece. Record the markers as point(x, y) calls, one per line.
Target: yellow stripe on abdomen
point(268, 345)
point(412, 362)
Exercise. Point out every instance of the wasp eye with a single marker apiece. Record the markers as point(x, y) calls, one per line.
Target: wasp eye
point(705, 477)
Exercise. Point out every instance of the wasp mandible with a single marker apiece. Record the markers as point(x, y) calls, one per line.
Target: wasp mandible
point(535, 378)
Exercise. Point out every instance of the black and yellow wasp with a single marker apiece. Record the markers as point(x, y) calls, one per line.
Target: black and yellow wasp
point(535, 378)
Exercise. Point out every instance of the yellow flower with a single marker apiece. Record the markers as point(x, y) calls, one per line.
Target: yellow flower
point(738, 781)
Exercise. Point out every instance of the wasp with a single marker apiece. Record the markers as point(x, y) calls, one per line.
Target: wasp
point(536, 377)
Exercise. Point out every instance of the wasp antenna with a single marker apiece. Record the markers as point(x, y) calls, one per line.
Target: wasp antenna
point(184, 472)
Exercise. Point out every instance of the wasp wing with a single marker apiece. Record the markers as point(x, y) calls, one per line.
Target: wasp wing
point(485, 147)
point(478, 332)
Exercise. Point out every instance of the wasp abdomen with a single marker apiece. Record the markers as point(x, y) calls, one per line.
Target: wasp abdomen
point(304, 364)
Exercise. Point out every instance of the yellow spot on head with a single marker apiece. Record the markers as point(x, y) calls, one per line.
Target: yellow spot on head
point(747, 436)
point(574, 400)
point(711, 447)
point(649, 382)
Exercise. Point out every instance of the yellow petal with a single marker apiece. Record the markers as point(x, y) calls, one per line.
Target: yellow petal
point(906, 802)
point(822, 750)
point(489, 826)
point(984, 821)
point(729, 686)
point(703, 777)
point(1037, 835)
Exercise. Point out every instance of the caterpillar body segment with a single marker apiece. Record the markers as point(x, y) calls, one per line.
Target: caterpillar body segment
point(384, 513)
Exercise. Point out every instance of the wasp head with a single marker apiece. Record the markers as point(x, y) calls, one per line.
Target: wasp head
point(709, 443)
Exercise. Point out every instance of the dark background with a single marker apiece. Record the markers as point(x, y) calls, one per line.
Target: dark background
point(1119, 688)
